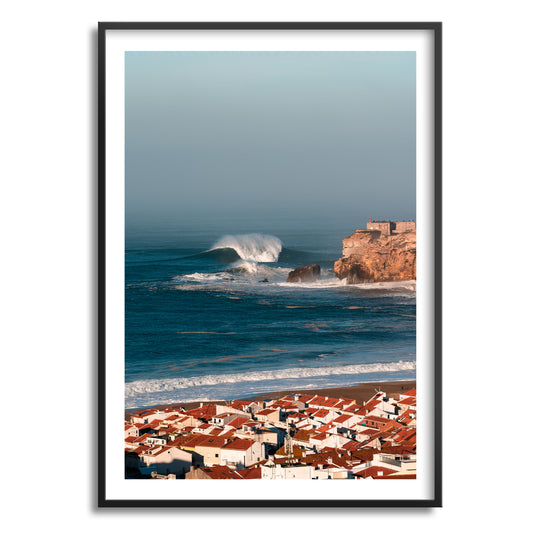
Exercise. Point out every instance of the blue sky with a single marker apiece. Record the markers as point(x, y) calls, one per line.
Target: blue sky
point(260, 135)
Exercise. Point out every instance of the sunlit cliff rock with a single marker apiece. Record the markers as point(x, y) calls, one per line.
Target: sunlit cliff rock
point(373, 256)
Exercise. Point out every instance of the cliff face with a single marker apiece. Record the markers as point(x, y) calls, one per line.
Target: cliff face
point(308, 273)
point(368, 256)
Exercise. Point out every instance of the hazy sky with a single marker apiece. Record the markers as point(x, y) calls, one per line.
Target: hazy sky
point(269, 134)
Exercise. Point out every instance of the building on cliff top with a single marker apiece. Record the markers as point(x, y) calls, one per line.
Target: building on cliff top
point(389, 227)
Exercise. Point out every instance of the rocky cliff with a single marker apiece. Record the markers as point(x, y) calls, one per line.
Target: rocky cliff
point(308, 273)
point(369, 256)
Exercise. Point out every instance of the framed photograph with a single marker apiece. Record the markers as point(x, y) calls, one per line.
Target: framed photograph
point(269, 264)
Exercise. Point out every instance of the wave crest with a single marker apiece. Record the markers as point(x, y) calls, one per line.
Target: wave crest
point(252, 246)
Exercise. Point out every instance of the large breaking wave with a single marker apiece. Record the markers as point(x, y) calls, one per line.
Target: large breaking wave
point(252, 246)
point(259, 262)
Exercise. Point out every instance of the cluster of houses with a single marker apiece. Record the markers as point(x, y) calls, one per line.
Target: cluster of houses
point(296, 437)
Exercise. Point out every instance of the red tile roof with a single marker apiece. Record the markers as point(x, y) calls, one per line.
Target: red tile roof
point(375, 420)
point(372, 404)
point(220, 472)
point(408, 401)
point(303, 435)
point(250, 473)
point(375, 472)
point(239, 444)
point(211, 441)
point(191, 441)
point(321, 413)
point(369, 431)
point(266, 412)
point(206, 412)
point(352, 408)
point(140, 449)
point(238, 422)
point(283, 404)
point(396, 450)
point(351, 445)
point(323, 401)
point(341, 419)
point(392, 424)
point(142, 437)
point(344, 402)
point(320, 437)
point(407, 416)
point(237, 404)
point(145, 413)
point(326, 427)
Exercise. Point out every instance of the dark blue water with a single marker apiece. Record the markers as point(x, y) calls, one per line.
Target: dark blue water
point(224, 324)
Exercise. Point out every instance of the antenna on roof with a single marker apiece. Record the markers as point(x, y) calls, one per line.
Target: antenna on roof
point(289, 445)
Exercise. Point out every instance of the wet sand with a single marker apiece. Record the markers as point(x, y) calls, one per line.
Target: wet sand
point(360, 393)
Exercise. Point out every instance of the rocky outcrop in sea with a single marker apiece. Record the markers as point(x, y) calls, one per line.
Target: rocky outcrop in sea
point(307, 273)
point(371, 256)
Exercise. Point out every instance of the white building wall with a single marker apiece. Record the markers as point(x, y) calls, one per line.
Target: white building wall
point(286, 472)
point(244, 457)
point(171, 461)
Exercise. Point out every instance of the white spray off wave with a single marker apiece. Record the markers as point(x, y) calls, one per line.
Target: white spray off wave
point(252, 246)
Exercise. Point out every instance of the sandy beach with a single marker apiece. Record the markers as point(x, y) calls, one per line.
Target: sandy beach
point(360, 393)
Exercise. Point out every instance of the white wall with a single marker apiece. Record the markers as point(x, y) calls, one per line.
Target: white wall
point(48, 176)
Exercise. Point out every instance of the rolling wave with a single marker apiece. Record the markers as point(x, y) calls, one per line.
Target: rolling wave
point(251, 247)
point(173, 384)
point(254, 247)
point(221, 255)
point(229, 255)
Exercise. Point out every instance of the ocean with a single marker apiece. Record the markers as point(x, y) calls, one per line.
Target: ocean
point(210, 316)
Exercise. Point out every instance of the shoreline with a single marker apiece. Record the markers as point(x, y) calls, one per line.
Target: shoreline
point(359, 392)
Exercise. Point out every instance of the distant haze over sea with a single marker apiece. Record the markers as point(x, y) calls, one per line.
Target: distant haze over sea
point(252, 138)
point(164, 230)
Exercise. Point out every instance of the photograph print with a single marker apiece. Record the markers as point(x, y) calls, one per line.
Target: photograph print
point(270, 206)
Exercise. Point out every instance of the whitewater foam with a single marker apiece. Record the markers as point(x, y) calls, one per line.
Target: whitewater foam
point(327, 281)
point(171, 384)
point(407, 286)
point(242, 273)
point(252, 246)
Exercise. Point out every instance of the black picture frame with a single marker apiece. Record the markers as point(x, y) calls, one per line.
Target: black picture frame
point(435, 30)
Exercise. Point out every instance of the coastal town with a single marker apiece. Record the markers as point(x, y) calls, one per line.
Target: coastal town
point(298, 436)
